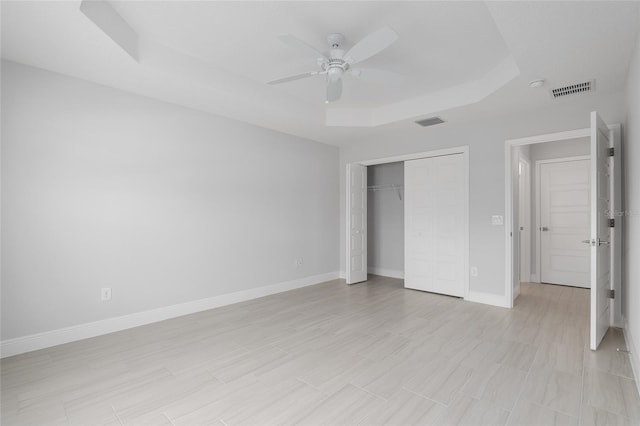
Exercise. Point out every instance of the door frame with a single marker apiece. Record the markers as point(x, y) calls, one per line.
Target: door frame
point(538, 196)
point(616, 265)
point(527, 214)
point(464, 150)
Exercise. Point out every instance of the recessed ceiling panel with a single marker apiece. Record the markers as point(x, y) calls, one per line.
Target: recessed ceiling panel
point(441, 44)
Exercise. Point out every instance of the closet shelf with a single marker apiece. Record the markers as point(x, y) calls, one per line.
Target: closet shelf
point(387, 187)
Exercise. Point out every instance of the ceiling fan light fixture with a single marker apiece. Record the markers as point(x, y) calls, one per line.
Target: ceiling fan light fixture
point(337, 61)
point(335, 72)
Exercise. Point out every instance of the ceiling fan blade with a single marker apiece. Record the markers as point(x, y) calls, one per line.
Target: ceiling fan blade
point(294, 77)
point(296, 43)
point(377, 76)
point(334, 89)
point(371, 45)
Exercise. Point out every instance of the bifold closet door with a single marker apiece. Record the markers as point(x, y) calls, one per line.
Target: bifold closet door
point(434, 224)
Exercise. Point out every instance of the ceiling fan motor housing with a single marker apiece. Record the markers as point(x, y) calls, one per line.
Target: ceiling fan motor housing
point(335, 64)
point(335, 40)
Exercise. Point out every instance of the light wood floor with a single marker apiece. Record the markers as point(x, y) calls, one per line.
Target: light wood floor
point(368, 354)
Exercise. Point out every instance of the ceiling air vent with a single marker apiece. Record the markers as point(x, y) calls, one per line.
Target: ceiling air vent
point(430, 121)
point(587, 86)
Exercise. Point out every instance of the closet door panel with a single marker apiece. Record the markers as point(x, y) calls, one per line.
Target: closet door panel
point(434, 224)
point(419, 213)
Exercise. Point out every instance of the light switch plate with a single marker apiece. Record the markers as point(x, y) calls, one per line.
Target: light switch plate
point(497, 220)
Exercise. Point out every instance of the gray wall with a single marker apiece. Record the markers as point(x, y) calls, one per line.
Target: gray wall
point(549, 151)
point(101, 188)
point(486, 141)
point(385, 220)
point(631, 213)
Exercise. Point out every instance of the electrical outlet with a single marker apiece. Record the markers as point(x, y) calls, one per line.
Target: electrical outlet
point(474, 271)
point(105, 294)
point(298, 263)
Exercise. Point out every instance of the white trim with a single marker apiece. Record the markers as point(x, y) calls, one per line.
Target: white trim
point(391, 273)
point(527, 214)
point(538, 265)
point(426, 154)
point(538, 247)
point(347, 275)
point(550, 137)
point(535, 279)
point(47, 339)
point(508, 227)
point(634, 356)
point(617, 237)
point(487, 299)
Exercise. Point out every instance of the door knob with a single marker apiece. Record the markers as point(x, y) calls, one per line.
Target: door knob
point(544, 229)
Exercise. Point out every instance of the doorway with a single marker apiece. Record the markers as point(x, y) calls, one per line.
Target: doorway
point(603, 198)
point(385, 219)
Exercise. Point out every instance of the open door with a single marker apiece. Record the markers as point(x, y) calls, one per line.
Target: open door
point(600, 231)
point(356, 224)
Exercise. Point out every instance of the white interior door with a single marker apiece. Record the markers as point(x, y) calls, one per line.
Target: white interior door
point(600, 241)
point(565, 211)
point(356, 224)
point(435, 203)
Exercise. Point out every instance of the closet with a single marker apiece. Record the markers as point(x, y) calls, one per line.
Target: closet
point(407, 217)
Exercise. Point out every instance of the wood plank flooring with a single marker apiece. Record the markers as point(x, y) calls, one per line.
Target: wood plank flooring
point(369, 354)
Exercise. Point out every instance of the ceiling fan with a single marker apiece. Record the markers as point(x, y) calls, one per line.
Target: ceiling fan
point(338, 62)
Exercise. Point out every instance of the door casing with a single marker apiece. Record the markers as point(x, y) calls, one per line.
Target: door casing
point(524, 211)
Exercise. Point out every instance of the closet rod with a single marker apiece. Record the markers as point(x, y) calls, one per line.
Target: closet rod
point(387, 187)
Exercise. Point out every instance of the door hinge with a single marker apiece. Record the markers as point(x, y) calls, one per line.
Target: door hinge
point(611, 152)
point(612, 223)
point(612, 294)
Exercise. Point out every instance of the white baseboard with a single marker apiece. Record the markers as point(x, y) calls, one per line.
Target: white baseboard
point(391, 273)
point(634, 356)
point(487, 299)
point(47, 339)
point(534, 278)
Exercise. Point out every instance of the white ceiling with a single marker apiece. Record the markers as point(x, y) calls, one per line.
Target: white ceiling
point(457, 57)
point(241, 38)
